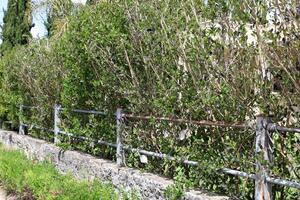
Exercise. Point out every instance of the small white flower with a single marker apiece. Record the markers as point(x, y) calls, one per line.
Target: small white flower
point(181, 62)
point(186, 133)
point(144, 159)
point(179, 96)
point(92, 144)
point(166, 133)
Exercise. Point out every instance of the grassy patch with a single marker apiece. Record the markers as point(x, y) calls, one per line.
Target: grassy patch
point(32, 180)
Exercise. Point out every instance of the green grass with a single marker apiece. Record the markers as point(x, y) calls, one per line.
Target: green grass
point(29, 179)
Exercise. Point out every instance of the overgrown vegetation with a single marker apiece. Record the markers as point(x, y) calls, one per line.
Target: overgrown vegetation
point(17, 24)
point(225, 60)
point(29, 179)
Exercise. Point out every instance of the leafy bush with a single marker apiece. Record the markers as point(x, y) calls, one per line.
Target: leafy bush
point(184, 59)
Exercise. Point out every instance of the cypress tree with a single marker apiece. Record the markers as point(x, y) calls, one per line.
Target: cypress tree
point(58, 11)
point(90, 2)
point(49, 24)
point(17, 23)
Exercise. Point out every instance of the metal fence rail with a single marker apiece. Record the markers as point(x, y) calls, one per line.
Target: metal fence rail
point(37, 127)
point(263, 144)
point(277, 181)
point(88, 139)
point(200, 123)
point(86, 111)
point(274, 127)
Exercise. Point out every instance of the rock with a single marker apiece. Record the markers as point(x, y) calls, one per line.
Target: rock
point(84, 166)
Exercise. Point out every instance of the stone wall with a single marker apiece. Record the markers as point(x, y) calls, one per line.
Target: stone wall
point(84, 166)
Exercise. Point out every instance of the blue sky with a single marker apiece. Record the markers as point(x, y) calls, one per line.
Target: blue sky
point(3, 4)
point(38, 19)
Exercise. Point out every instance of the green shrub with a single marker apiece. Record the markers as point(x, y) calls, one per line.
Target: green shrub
point(182, 59)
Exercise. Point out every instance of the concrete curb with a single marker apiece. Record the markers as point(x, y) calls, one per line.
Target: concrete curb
point(84, 166)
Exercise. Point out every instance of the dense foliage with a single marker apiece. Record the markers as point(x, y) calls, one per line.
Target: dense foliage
point(57, 12)
point(28, 179)
point(17, 24)
point(224, 60)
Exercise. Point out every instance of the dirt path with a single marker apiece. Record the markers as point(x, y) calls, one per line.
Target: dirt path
point(3, 195)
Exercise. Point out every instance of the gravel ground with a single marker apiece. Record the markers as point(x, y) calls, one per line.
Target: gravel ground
point(3, 195)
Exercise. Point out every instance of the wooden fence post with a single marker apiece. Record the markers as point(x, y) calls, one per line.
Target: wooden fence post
point(264, 157)
point(21, 125)
point(120, 151)
point(56, 123)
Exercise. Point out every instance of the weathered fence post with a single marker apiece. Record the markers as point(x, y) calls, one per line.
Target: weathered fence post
point(264, 156)
point(21, 126)
point(120, 151)
point(56, 123)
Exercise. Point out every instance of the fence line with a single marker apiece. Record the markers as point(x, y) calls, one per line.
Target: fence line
point(263, 144)
point(86, 111)
point(37, 127)
point(277, 181)
point(29, 107)
point(88, 139)
point(274, 127)
point(200, 123)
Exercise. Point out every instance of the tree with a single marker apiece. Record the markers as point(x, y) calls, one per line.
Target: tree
point(49, 24)
point(90, 2)
point(58, 12)
point(17, 24)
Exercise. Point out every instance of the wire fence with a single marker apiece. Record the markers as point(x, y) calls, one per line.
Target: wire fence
point(263, 143)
